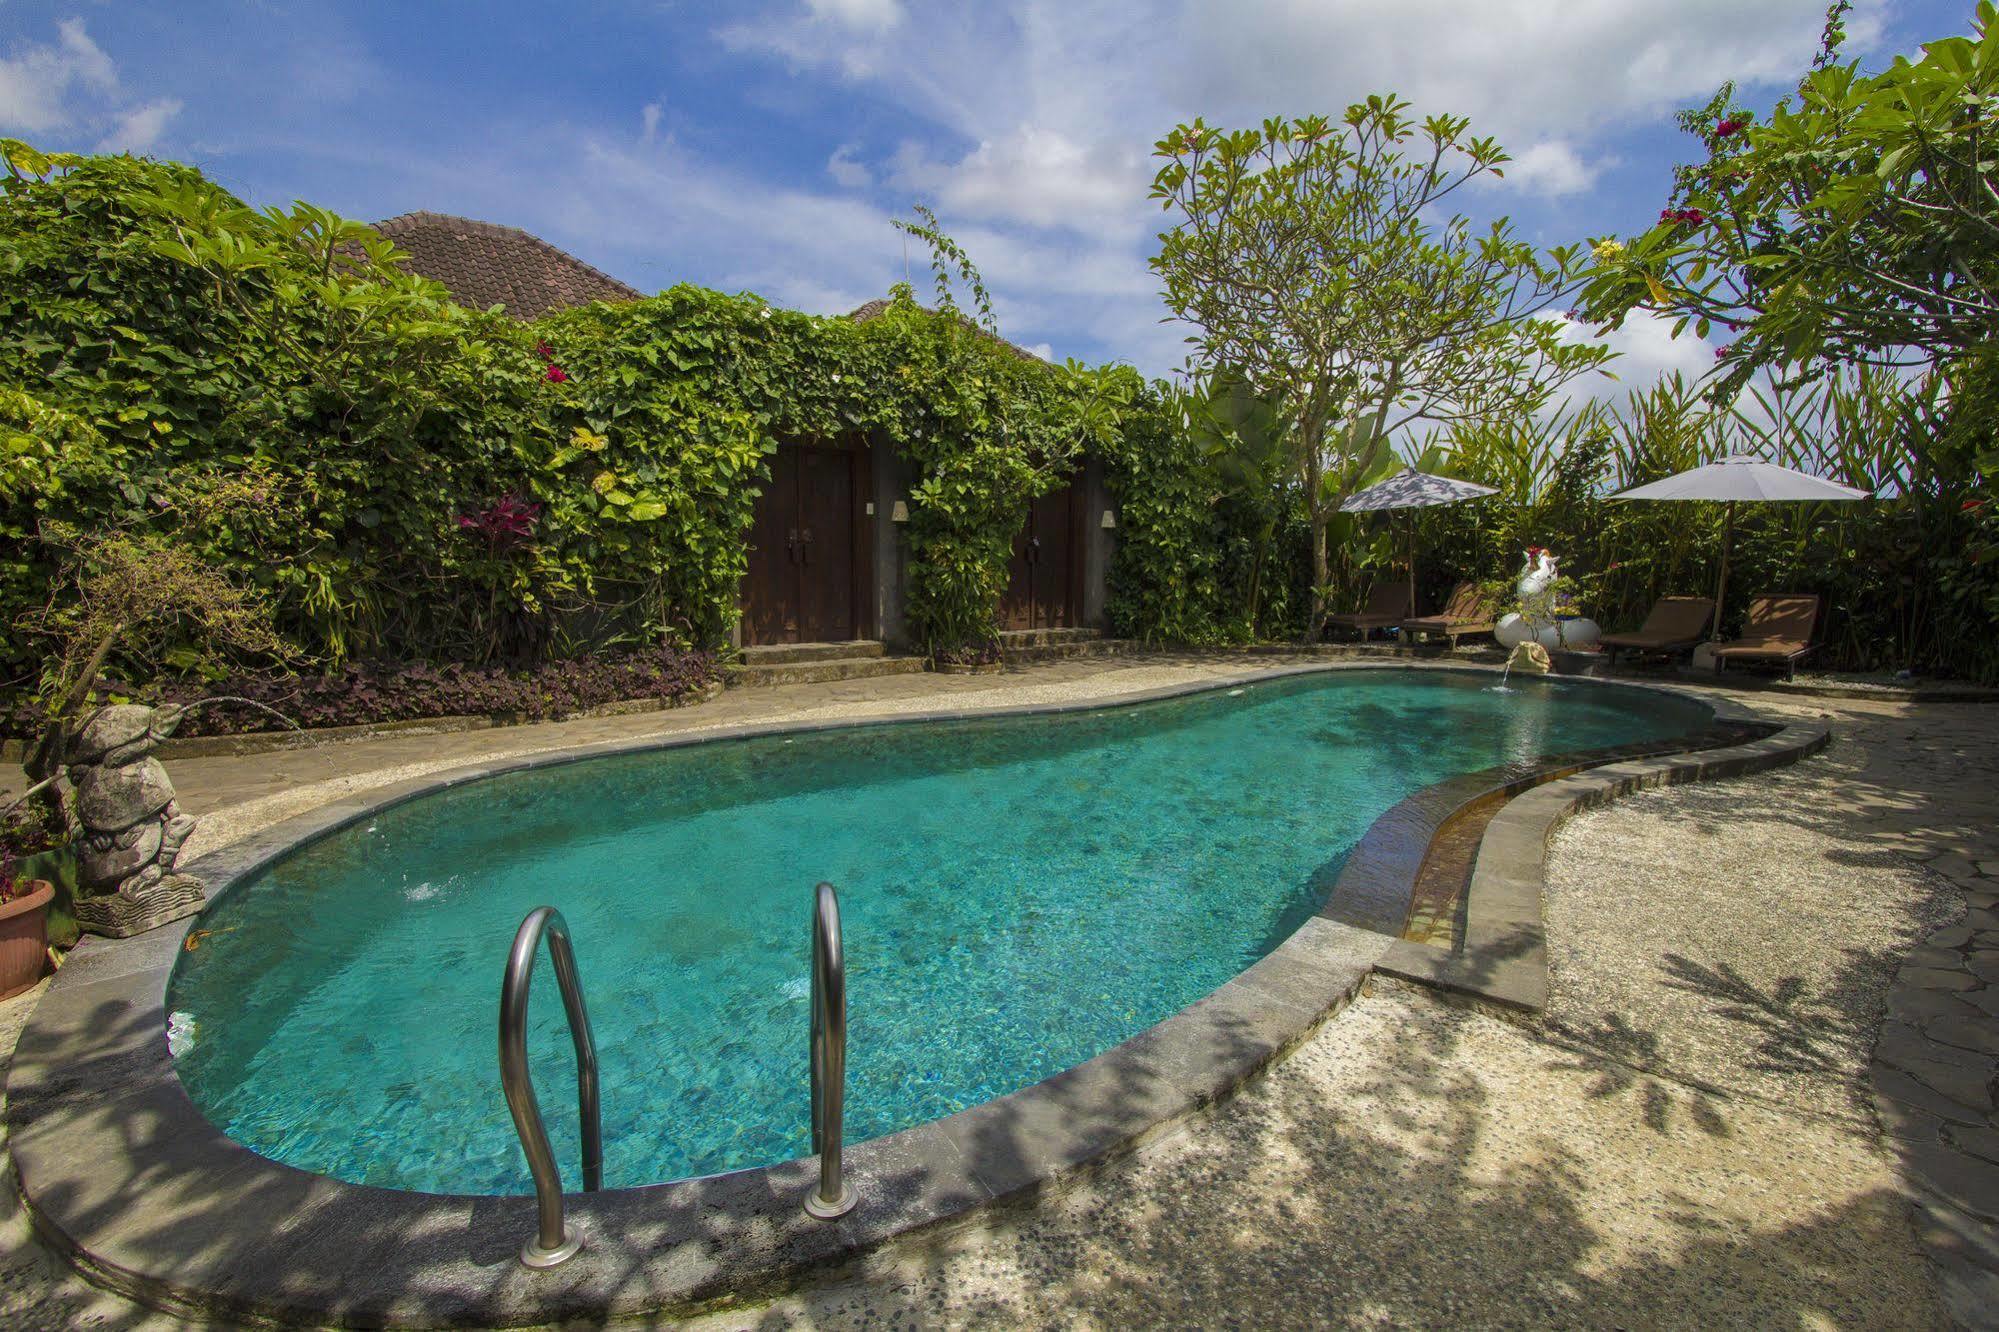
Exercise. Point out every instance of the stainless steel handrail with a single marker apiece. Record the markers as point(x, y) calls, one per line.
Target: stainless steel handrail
point(553, 1242)
point(833, 1197)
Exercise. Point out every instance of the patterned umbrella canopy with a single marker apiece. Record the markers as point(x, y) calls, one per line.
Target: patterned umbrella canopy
point(1411, 489)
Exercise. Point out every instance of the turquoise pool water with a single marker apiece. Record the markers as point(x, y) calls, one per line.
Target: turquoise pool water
point(1018, 896)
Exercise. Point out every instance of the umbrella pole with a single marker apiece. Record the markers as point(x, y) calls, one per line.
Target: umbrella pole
point(1411, 523)
point(1721, 579)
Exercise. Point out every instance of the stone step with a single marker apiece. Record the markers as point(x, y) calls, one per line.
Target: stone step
point(820, 670)
point(1020, 638)
point(779, 654)
point(1075, 647)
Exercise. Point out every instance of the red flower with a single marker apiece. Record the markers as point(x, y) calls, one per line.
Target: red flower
point(1971, 506)
point(556, 375)
point(1730, 126)
point(1691, 216)
point(543, 350)
point(1721, 352)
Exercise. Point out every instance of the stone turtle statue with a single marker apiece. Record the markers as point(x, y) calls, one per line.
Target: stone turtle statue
point(129, 828)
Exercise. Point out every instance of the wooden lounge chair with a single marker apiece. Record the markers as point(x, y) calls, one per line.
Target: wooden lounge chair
point(1778, 631)
point(1469, 611)
point(1388, 604)
point(1675, 625)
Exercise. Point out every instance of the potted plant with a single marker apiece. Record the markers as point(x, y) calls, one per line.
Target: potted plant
point(24, 927)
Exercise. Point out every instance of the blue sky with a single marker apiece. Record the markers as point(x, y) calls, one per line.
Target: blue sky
point(766, 146)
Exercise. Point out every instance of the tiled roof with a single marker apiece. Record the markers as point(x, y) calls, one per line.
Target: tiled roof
point(875, 309)
point(482, 265)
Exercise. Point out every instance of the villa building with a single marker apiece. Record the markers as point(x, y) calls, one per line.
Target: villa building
point(827, 562)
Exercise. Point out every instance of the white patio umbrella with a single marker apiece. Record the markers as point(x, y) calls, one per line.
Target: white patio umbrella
point(1739, 480)
point(1411, 489)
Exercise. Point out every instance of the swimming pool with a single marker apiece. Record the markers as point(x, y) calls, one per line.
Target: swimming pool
point(1019, 894)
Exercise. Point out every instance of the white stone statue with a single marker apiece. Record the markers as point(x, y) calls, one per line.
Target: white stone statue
point(1538, 620)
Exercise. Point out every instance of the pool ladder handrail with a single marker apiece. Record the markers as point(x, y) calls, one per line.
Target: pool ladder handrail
point(833, 1197)
point(553, 1241)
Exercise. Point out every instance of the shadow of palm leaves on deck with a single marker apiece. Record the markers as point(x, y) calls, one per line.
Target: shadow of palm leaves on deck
point(1623, 1059)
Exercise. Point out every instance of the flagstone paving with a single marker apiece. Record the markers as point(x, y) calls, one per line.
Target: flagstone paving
point(1689, 1140)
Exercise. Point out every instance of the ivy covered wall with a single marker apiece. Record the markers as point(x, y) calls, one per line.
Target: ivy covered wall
point(448, 484)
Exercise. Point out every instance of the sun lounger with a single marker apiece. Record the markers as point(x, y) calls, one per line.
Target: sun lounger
point(1388, 604)
point(1469, 611)
point(1676, 624)
point(1778, 631)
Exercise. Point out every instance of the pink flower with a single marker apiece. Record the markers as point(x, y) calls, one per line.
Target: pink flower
point(1732, 125)
point(1721, 352)
point(543, 350)
point(556, 375)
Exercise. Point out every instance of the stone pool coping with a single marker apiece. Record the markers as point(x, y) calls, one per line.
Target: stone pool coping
point(121, 1171)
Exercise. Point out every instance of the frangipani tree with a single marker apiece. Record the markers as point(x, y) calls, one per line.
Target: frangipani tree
point(1860, 223)
point(1309, 256)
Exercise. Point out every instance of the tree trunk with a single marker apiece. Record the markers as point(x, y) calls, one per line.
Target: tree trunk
point(1315, 510)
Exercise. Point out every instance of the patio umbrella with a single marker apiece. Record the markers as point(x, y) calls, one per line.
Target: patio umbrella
point(1739, 480)
point(1411, 489)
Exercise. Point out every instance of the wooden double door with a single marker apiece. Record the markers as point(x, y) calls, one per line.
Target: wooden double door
point(1044, 584)
point(806, 559)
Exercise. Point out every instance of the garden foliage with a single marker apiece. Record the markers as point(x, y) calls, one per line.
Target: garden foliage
point(451, 485)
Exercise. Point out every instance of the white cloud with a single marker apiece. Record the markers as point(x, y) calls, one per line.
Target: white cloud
point(649, 120)
point(1039, 115)
point(868, 15)
point(847, 170)
point(1044, 350)
point(72, 85)
point(1551, 168)
point(35, 82)
point(1032, 174)
point(1646, 352)
point(140, 128)
point(1520, 68)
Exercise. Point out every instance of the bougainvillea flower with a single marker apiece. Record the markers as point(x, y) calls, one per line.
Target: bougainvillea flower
point(1732, 125)
point(556, 375)
point(1721, 352)
point(543, 350)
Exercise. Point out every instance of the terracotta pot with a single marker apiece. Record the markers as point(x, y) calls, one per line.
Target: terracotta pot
point(24, 938)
